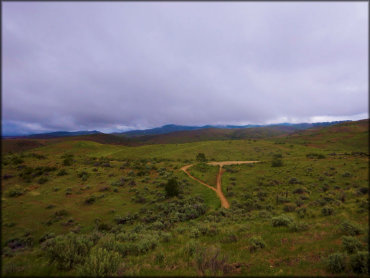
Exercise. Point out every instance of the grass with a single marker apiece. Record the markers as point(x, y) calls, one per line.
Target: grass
point(130, 180)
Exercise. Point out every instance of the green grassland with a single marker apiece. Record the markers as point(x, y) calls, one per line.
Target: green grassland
point(85, 208)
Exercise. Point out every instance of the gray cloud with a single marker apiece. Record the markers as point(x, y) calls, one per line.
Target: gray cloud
point(118, 65)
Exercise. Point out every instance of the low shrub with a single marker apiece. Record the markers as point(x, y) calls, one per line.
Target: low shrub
point(326, 211)
point(229, 237)
point(43, 180)
point(100, 263)
point(209, 260)
point(281, 220)
point(276, 162)
point(298, 227)
point(315, 155)
point(256, 243)
point(351, 244)
point(67, 250)
point(46, 237)
point(83, 175)
point(289, 207)
point(62, 173)
point(90, 200)
point(359, 262)
point(336, 263)
point(15, 191)
point(159, 257)
point(347, 175)
point(350, 229)
point(68, 161)
point(194, 233)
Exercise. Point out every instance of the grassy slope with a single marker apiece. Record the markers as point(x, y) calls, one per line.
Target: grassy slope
point(286, 252)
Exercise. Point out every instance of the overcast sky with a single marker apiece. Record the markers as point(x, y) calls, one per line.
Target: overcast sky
point(115, 66)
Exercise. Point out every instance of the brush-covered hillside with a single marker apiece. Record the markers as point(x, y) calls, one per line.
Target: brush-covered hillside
point(79, 207)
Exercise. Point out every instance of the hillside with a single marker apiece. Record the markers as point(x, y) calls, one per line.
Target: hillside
point(108, 204)
point(344, 133)
point(351, 136)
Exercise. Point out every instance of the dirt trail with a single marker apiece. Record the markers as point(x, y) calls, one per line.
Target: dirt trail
point(218, 190)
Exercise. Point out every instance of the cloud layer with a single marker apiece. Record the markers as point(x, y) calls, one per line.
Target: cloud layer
point(111, 66)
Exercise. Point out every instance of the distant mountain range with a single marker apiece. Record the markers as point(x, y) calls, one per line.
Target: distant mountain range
point(166, 129)
point(57, 134)
point(173, 128)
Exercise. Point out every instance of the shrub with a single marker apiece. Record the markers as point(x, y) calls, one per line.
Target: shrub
point(351, 244)
point(336, 262)
point(119, 182)
point(363, 190)
point(194, 233)
point(209, 260)
point(281, 220)
point(62, 173)
point(289, 207)
point(347, 175)
point(276, 162)
point(298, 227)
point(350, 229)
point(90, 200)
point(42, 180)
point(159, 258)
point(230, 237)
point(360, 262)
point(83, 175)
point(68, 161)
point(300, 190)
point(172, 188)
point(256, 243)
point(100, 263)
point(68, 250)
point(46, 237)
point(15, 191)
point(201, 157)
point(315, 155)
point(326, 211)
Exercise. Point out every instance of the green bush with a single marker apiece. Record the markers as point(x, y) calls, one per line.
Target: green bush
point(336, 262)
point(100, 263)
point(43, 180)
point(68, 250)
point(62, 173)
point(83, 175)
point(315, 155)
point(159, 258)
point(350, 229)
point(298, 227)
point(289, 207)
point(276, 162)
point(15, 191)
point(326, 211)
point(351, 244)
point(281, 220)
point(90, 200)
point(201, 157)
point(209, 260)
point(360, 262)
point(256, 243)
point(172, 188)
point(67, 161)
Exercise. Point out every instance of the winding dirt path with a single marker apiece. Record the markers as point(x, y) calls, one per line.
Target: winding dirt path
point(218, 190)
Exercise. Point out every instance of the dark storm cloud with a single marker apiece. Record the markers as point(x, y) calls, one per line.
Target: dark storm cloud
point(108, 66)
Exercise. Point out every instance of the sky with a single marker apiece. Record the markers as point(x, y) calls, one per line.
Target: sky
point(118, 66)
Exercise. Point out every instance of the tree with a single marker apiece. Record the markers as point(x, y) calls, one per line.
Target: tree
point(172, 188)
point(201, 157)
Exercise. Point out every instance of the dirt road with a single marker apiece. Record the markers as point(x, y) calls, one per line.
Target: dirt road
point(218, 190)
